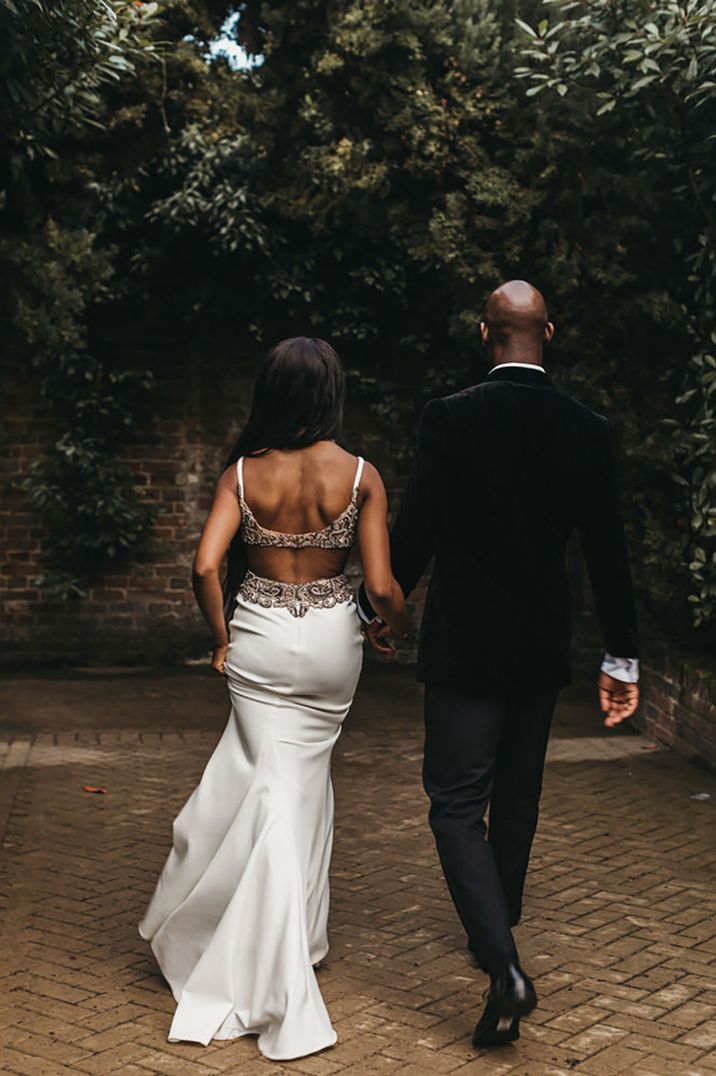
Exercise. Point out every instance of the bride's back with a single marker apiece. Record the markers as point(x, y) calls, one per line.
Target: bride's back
point(297, 492)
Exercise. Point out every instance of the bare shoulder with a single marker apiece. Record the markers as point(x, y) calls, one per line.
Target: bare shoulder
point(228, 480)
point(371, 486)
point(371, 478)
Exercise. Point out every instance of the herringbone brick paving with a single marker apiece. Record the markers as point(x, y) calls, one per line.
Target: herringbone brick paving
point(619, 928)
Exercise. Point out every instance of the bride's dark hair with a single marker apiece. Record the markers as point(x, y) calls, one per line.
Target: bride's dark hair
point(298, 399)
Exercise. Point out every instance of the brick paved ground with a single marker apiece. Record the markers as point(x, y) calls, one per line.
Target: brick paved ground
point(620, 924)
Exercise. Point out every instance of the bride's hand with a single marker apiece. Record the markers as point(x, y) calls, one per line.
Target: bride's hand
point(218, 661)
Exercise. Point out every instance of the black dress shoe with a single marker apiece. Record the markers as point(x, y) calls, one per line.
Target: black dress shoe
point(512, 992)
point(511, 995)
point(495, 1030)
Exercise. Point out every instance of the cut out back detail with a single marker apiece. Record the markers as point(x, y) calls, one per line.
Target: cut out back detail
point(339, 534)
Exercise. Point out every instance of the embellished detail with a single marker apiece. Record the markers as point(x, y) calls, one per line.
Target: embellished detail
point(340, 534)
point(298, 598)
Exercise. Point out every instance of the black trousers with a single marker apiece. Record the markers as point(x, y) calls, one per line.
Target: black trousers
point(482, 749)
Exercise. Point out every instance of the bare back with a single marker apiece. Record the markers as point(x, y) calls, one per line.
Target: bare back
point(316, 501)
point(298, 493)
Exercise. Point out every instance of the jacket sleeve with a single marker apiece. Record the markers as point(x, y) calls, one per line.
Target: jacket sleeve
point(412, 536)
point(604, 545)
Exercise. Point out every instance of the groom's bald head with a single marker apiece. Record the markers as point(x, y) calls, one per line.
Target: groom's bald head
point(515, 319)
point(516, 308)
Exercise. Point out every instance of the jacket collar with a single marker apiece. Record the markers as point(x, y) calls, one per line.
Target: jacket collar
point(536, 376)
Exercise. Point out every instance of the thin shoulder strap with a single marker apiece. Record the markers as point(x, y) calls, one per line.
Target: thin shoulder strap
point(240, 476)
point(359, 472)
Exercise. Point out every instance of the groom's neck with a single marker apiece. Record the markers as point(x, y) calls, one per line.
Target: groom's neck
point(516, 350)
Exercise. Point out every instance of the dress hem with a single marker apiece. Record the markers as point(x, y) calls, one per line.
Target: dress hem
point(244, 1034)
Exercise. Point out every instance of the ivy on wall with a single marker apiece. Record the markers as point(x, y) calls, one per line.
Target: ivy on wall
point(86, 497)
point(57, 61)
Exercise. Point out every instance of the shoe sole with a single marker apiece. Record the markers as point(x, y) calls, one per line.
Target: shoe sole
point(498, 1036)
point(484, 1044)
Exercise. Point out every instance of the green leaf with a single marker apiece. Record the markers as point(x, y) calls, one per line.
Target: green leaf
point(526, 28)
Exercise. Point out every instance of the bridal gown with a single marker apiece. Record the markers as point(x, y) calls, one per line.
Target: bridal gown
point(239, 915)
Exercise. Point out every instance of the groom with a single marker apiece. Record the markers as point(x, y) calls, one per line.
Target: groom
point(504, 472)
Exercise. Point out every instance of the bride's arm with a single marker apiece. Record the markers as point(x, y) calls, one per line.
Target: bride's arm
point(221, 525)
point(383, 591)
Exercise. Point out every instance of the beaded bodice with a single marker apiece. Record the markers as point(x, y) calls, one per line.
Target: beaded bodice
point(339, 534)
point(298, 598)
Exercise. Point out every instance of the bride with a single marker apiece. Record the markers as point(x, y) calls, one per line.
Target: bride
point(238, 919)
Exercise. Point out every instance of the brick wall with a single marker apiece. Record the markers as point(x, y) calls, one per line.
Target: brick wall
point(678, 705)
point(139, 609)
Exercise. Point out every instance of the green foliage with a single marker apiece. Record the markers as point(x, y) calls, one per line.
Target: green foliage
point(56, 56)
point(85, 496)
point(648, 69)
point(364, 190)
point(617, 51)
point(56, 61)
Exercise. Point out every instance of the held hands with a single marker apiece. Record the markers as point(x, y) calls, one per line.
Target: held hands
point(617, 699)
point(218, 661)
point(378, 635)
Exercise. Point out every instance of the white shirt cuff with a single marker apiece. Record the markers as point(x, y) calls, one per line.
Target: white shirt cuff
point(625, 669)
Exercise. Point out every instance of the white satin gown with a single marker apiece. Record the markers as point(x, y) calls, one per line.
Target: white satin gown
point(239, 915)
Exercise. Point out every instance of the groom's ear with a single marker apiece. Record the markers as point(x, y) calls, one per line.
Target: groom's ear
point(484, 334)
point(548, 332)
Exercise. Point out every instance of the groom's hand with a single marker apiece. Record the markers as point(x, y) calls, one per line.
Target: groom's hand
point(377, 633)
point(617, 699)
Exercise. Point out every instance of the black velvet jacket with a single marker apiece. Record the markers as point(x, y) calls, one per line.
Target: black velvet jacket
point(503, 474)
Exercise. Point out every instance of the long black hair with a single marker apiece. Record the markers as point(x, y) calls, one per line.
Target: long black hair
point(298, 399)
